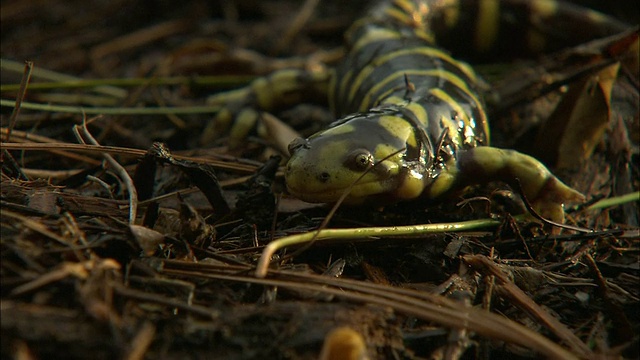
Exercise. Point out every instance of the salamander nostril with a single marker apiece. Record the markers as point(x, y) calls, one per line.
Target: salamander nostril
point(324, 176)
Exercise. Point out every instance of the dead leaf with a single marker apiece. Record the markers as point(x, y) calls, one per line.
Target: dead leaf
point(579, 121)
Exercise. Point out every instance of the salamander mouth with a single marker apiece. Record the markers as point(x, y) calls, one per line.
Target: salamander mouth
point(324, 196)
point(358, 193)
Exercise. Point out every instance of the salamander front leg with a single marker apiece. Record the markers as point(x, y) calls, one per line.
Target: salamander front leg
point(241, 107)
point(546, 193)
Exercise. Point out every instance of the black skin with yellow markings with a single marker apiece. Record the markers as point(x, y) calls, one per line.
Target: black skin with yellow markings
point(524, 28)
point(413, 124)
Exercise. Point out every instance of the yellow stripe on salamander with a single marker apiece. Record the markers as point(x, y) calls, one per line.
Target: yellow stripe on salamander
point(413, 17)
point(416, 109)
point(400, 128)
point(392, 100)
point(426, 51)
point(488, 24)
point(371, 36)
point(420, 113)
point(394, 162)
point(453, 126)
point(343, 129)
point(407, 6)
point(439, 73)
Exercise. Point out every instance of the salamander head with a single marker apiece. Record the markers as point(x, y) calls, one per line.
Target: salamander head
point(342, 158)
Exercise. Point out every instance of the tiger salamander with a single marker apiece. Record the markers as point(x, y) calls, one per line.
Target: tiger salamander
point(412, 123)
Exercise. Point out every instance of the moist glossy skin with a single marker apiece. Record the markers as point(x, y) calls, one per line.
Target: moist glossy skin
point(412, 106)
point(323, 166)
point(412, 124)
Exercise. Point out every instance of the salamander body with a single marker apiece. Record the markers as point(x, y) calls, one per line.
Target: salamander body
point(411, 121)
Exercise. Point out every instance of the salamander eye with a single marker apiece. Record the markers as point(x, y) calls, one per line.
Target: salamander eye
point(359, 160)
point(296, 144)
